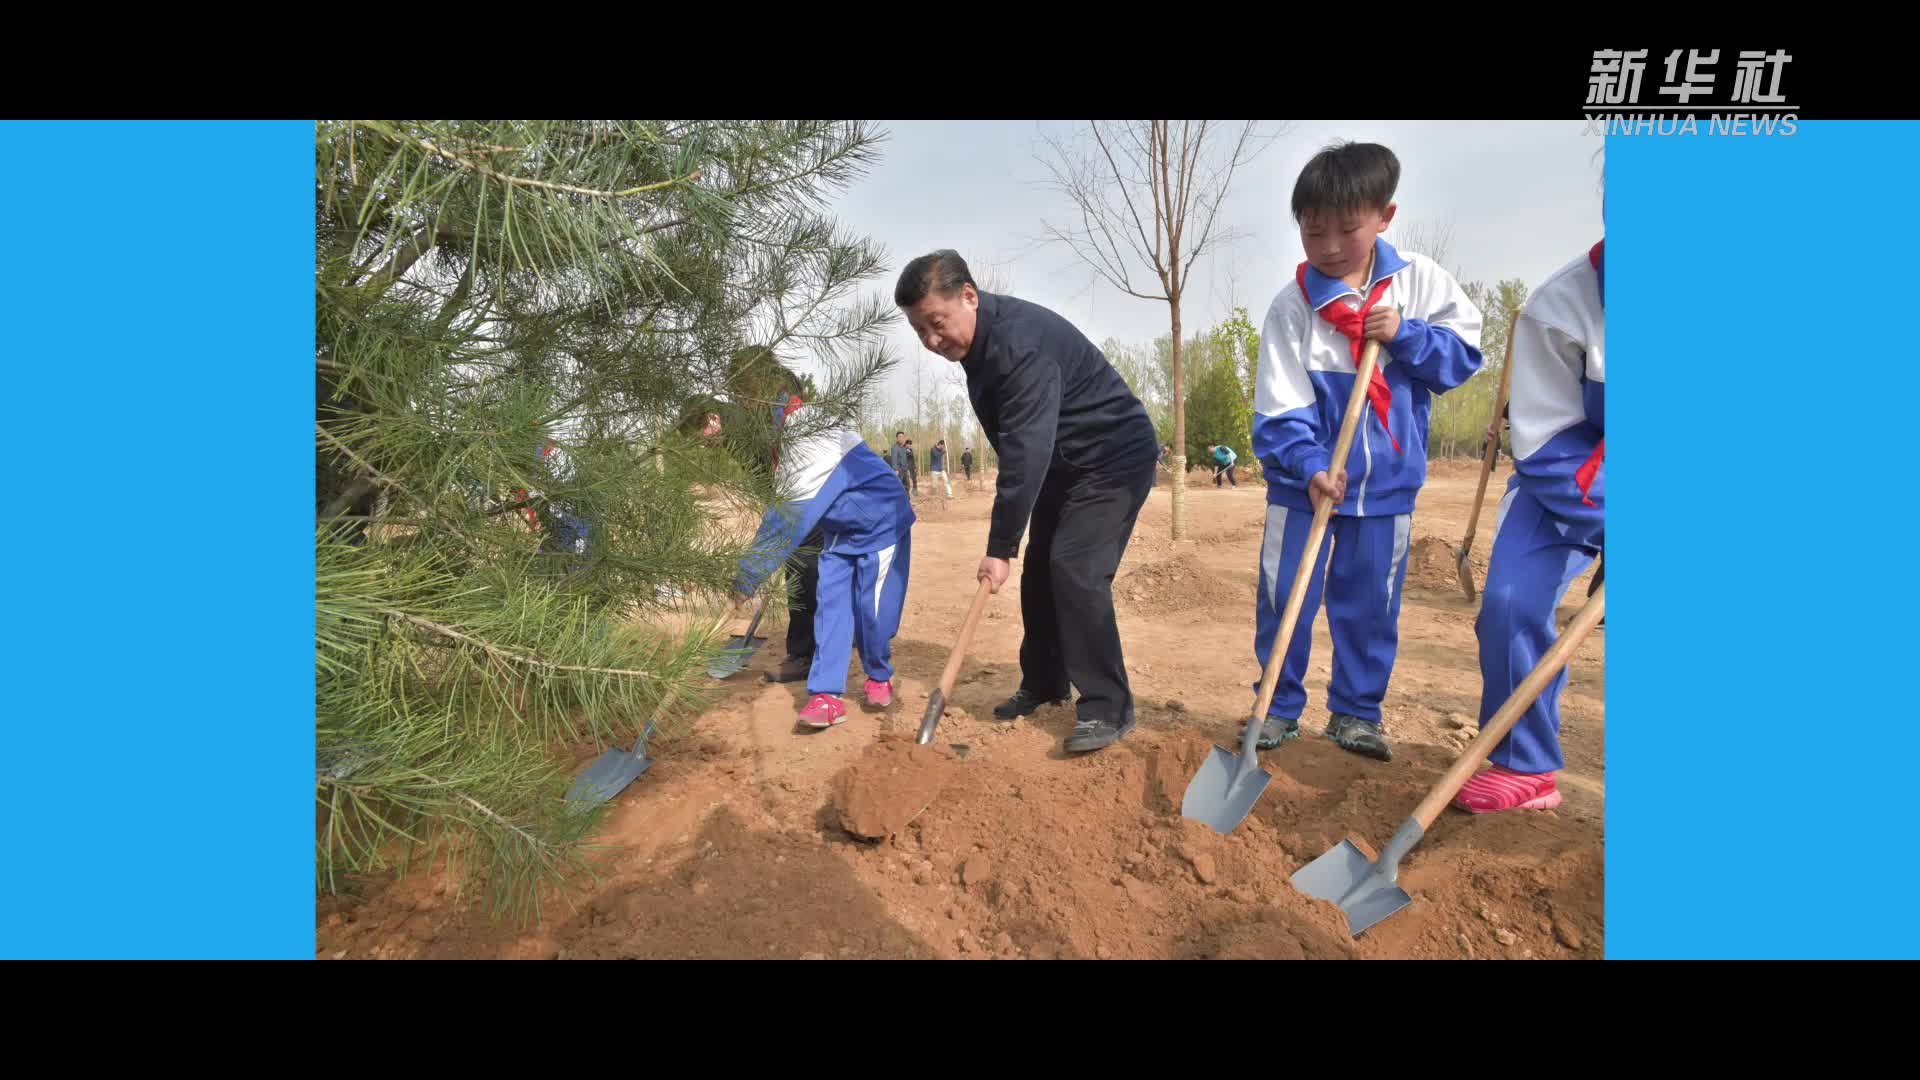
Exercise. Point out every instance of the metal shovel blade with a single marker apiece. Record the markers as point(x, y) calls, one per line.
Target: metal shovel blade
point(1465, 566)
point(608, 776)
point(936, 706)
point(1345, 876)
point(1223, 792)
point(738, 653)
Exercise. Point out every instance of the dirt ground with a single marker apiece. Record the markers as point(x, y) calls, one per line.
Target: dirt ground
point(732, 846)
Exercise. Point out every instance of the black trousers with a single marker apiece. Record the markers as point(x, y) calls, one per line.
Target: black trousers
point(1080, 528)
point(804, 568)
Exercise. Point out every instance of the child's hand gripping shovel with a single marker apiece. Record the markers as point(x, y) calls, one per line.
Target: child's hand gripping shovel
point(613, 770)
point(937, 702)
point(1223, 792)
point(1369, 891)
point(1465, 563)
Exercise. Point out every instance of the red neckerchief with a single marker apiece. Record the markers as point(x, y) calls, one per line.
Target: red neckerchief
point(1591, 470)
point(1353, 323)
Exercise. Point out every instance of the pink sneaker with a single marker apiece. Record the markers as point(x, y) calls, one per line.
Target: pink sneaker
point(879, 694)
point(1497, 789)
point(824, 711)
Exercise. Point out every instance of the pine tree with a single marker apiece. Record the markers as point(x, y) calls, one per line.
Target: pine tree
point(520, 547)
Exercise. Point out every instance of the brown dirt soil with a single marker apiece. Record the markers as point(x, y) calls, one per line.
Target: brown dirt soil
point(889, 786)
point(1434, 564)
point(1181, 583)
point(734, 846)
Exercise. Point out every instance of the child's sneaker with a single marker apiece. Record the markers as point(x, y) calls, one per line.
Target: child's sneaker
point(824, 711)
point(1357, 736)
point(1498, 789)
point(879, 694)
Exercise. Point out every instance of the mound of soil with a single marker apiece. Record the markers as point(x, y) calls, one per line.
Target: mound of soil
point(889, 786)
point(1181, 583)
point(1434, 564)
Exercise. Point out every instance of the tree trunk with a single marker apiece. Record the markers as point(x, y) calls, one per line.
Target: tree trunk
point(1179, 433)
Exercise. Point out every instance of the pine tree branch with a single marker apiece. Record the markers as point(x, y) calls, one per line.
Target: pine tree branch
point(525, 181)
point(373, 474)
point(499, 653)
point(529, 837)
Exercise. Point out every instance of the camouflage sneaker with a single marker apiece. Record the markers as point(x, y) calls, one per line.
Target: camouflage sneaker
point(1358, 736)
point(1276, 730)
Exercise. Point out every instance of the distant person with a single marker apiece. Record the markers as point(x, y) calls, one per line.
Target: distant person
point(913, 466)
point(900, 456)
point(1224, 460)
point(966, 461)
point(939, 466)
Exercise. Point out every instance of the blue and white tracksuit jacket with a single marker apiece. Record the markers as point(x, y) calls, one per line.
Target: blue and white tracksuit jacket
point(832, 480)
point(1307, 368)
point(1552, 521)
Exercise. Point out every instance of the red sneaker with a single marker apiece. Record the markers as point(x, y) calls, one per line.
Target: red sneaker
point(824, 711)
point(879, 694)
point(1497, 789)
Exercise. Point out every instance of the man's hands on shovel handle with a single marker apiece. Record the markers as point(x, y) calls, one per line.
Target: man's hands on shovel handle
point(1323, 487)
point(995, 571)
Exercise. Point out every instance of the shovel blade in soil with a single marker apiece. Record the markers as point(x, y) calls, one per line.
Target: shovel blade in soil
point(1466, 577)
point(1345, 876)
point(936, 705)
point(1222, 794)
point(608, 776)
point(739, 652)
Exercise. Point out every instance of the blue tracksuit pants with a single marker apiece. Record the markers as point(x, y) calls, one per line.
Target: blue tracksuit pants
point(1361, 569)
point(858, 606)
point(1535, 558)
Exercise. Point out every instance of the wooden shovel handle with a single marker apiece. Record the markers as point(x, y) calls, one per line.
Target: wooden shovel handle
point(1493, 445)
point(1523, 697)
point(959, 656)
point(1343, 446)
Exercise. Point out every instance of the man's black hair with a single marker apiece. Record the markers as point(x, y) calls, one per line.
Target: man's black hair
point(1347, 176)
point(942, 272)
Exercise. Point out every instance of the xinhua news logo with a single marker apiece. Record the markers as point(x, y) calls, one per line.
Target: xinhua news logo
point(1694, 93)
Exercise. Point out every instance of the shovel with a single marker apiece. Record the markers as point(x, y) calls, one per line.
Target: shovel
point(1223, 792)
point(613, 770)
point(740, 648)
point(1369, 891)
point(937, 702)
point(1465, 565)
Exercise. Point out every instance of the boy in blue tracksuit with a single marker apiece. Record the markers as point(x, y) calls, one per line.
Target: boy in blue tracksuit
point(1552, 524)
point(831, 481)
point(1354, 287)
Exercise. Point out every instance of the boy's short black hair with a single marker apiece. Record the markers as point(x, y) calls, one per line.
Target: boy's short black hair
point(1347, 176)
point(942, 272)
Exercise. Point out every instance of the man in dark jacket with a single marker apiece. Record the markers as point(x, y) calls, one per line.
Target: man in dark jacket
point(1076, 456)
point(900, 456)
